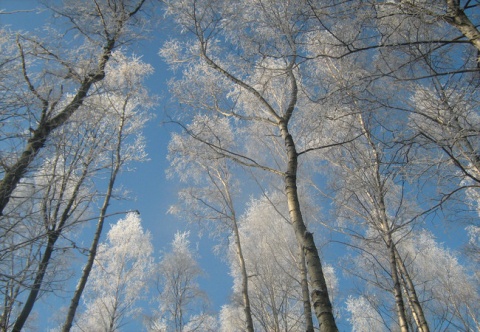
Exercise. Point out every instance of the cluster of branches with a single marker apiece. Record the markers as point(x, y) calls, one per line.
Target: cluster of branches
point(371, 104)
point(368, 106)
point(73, 106)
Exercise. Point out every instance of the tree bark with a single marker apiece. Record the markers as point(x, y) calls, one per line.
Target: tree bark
point(245, 297)
point(412, 295)
point(397, 291)
point(307, 306)
point(457, 18)
point(319, 294)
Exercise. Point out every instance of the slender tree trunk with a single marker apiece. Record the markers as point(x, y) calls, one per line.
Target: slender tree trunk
point(397, 291)
point(319, 294)
point(389, 242)
point(410, 304)
point(241, 260)
point(53, 235)
point(307, 306)
point(412, 295)
point(37, 284)
point(92, 253)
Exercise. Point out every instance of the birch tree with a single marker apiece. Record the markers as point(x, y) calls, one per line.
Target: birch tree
point(370, 191)
point(119, 277)
point(106, 141)
point(447, 299)
point(59, 194)
point(126, 117)
point(214, 195)
point(274, 266)
point(438, 79)
point(61, 207)
point(46, 99)
point(250, 72)
point(182, 304)
point(453, 293)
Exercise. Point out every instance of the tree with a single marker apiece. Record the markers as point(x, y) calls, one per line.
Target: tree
point(274, 266)
point(363, 315)
point(214, 192)
point(63, 200)
point(106, 142)
point(448, 299)
point(119, 277)
point(249, 71)
point(58, 196)
point(181, 302)
point(451, 298)
point(423, 61)
point(370, 191)
point(66, 80)
point(126, 118)
point(416, 69)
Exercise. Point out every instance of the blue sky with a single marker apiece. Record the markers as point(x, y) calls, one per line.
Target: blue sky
point(152, 192)
point(148, 185)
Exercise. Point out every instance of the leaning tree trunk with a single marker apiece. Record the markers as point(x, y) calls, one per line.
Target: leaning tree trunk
point(52, 237)
point(92, 253)
point(37, 284)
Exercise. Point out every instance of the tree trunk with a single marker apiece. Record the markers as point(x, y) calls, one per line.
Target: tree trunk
point(319, 294)
point(241, 260)
point(307, 306)
point(92, 253)
point(412, 295)
point(397, 291)
point(245, 297)
point(457, 18)
point(37, 284)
